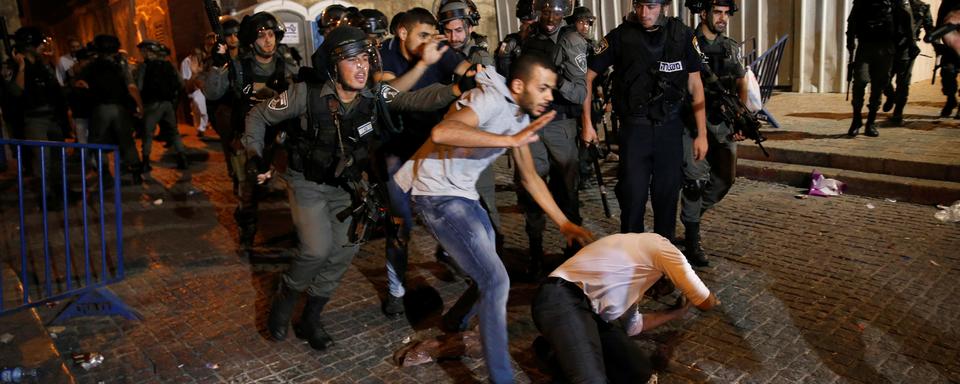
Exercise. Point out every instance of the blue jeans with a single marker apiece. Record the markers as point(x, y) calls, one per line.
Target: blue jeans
point(463, 228)
point(397, 247)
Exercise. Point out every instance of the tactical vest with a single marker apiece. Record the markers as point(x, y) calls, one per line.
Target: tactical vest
point(508, 51)
point(534, 45)
point(650, 78)
point(106, 79)
point(723, 60)
point(327, 155)
point(41, 88)
point(876, 21)
point(160, 82)
point(242, 78)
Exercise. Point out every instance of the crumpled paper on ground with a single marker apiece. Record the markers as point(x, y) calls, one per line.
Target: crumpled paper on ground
point(822, 186)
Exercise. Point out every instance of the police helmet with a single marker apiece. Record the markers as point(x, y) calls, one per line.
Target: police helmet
point(352, 18)
point(661, 2)
point(458, 9)
point(230, 27)
point(374, 22)
point(251, 26)
point(580, 13)
point(29, 37)
point(149, 45)
point(331, 16)
point(106, 44)
point(525, 10)
point(696, 6)
point(164, 50)
point(344, 42)
point(565, 7)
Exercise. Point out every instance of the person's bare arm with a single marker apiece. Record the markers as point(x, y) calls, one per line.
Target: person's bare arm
point(459, 129)
point(695, 87)
point(952, 39)
point(538, 190)
point(588, 133)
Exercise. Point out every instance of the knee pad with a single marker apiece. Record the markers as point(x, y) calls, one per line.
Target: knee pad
point(693, 189)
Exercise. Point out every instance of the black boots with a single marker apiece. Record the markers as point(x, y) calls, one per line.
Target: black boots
point(856, 123)
point(693, 251)
point(310, 328)
point(182, 162)
point(393, 306)
point(871, 128)
point(281, 310)
point(948, 107)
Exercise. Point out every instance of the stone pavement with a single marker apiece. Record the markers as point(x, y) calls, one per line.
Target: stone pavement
point(813, 290)
point(918, 162)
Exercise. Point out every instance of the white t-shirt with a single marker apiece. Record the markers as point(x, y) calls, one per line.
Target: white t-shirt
point(440, 170)
point(615, 271)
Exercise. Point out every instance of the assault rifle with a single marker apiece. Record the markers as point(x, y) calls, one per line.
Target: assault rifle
point(939, 32)
point(733, 110)
point(213, 16)
point(853, 54)
point(369, 211)
point(595, 152)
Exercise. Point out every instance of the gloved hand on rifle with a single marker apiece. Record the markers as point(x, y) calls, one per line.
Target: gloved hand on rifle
point(219, 55)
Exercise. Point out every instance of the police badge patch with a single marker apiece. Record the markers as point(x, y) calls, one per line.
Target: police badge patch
point(602, 46)
point(581, 61)
point(387, 93)
point(279, 102)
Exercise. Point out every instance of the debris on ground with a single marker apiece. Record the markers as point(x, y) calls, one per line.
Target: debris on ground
point(6, 338)
point(934, 263)
point(158, 202)
point(212, 366)
point(88, 360)
point(449, 346)
point(871, 206)
point(949, 214)
point(822, 186)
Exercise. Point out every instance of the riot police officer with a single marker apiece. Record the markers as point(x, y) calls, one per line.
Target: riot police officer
point(582, 19)
point(117, 101)
point(332, 16)
point(457, 19)
point(258, 73)
point(509, 48)
point(556, 155)
point(160, 87)
point(38, 98)
point(903, 63)
point(374, 23)
point(656, 66)
point(706, 182)
point(343, 121)
point(876, 30)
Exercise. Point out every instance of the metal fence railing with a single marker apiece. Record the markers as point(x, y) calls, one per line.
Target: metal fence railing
point(66, 242)
point(767, 68)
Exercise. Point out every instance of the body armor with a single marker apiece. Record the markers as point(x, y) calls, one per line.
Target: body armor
point(651, 81)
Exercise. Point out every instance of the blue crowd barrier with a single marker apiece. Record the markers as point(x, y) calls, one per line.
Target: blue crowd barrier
point(63, 275)
point(767, 68)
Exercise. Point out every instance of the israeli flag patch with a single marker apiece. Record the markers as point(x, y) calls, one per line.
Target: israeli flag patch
point(363, 130)
point(671, 67)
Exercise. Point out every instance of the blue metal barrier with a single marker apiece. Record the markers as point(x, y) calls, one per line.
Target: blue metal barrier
point(90, 279)
point(767, 67)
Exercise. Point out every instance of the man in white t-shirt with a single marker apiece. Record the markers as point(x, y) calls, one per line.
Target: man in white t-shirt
point(191, 66)
point(442, 178)
point(577, 307)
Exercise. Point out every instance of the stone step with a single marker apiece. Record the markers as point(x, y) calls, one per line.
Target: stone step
point(31, 346)
point(900, 188)
point(873, 164)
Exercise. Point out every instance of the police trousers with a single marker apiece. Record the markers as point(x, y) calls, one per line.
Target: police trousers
point(651, 164)
point(44, 127)
point(113, 124)
point(872, 65)
point(160, 112)
point(556, 159)
point(325, 249)
point(707, 181)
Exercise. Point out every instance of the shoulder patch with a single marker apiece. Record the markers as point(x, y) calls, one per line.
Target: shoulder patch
point(279, 102)
point(581, 61)
point(502, 50)
point(388, 93)
point(696, 46)
point(602, 46)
